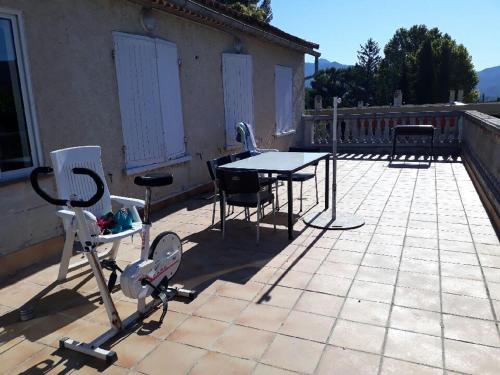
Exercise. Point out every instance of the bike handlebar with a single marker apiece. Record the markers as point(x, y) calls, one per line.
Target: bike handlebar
point(64, 202)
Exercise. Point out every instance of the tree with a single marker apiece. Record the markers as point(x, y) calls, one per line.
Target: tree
point(425, 86)
point(258, 9)
point(425, 64)
point(368, 64)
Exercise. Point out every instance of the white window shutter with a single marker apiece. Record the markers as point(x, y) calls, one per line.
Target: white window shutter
point(170, 98)
point(138, 90)
point(283, 99)
point(238, 93)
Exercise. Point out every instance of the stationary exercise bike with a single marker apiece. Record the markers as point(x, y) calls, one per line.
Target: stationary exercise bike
point(146, 277)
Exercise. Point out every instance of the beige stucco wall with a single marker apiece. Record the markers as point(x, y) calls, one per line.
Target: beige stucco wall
point(75, 93)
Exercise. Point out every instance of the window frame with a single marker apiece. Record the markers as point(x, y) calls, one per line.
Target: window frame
point(22, 59)
point(292, 129)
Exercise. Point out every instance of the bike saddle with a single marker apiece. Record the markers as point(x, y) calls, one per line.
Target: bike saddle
point(154, 179)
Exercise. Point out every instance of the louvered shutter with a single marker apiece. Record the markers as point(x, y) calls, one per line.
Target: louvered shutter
point(170, 98)
point(138, 90)
point(283, 99)
point(238, 93)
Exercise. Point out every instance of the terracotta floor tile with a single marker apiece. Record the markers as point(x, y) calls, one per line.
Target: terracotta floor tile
point(414, 347)
point(420, 253)
point(337, 269)
point(371, 291)
point(466, 247)
point(293, 354)
point(262, 369)
point(418, 281)
point(307, 326)
point(377, 275)
point(471, 358)
point(461, 270)
point(243, 342)
point(329, 285)
point(350, 245)
point(19, 353)
point(385, 249)
point(290, 279)
point(220, 364)
point(494, 290)
point(416, 320)
point(278, 296)
point(419, 266)
point(188, 307)
point(339, 361)
point(302, 265)
point(343, 256)
point(245, 292)
point(263, 317)
point(381, 261)
point(365, 312)
point(395, 367)
point(17, 295)
point(319, 303)
point(132, 348)
point(466, 287)
point(221, 308)
point(200, 332)
point(177, 358)
point(150, 325)
point(459, 258)
point(471, 330)
point(417, 298)
point(358, 336)
point(467, 306)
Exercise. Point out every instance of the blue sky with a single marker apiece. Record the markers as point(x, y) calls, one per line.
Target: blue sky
point(341, 26)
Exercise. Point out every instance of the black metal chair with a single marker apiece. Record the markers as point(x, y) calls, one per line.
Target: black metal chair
point(212, 170)
point(265, 181)
point(243, 189)
point(241, 156)
point(301, 176)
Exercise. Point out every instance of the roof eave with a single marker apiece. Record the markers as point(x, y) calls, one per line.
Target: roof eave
point(206, 15)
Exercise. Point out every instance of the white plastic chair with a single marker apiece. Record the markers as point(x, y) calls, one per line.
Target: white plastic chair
point(244, 135)
point(63, 161)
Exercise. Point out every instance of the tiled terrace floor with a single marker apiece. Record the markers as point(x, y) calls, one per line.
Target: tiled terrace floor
point(414, 291)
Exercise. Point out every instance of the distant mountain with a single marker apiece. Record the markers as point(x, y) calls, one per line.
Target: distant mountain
point(489, 83)
point(322, 64)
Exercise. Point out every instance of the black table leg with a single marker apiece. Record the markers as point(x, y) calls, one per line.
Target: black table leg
point(290, 207)
point(222, 212)
point(270, 186)
point(393, 146)
point(327, 182)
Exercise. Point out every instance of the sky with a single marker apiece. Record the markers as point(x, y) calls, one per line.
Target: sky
point(339, 27)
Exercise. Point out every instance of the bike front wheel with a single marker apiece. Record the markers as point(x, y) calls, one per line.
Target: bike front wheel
point(166, 252)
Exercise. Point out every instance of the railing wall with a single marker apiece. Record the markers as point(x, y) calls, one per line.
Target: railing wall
point(481, 152)
point(374, 132)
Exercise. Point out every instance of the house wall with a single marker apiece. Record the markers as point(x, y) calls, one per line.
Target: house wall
point(73, 78)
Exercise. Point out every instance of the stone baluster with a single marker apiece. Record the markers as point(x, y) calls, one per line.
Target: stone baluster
point(378, 130)
point(447, 134)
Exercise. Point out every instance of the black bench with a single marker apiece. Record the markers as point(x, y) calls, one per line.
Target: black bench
point(411, 130)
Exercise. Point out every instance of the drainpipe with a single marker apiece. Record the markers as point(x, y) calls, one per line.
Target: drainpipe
point(316, 66)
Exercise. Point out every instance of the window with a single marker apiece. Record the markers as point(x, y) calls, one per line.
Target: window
point(238, 93)
point(147, 71)
point(18, 148)
point(283, 100)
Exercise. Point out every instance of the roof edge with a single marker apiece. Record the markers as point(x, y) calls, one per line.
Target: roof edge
point(221, 16)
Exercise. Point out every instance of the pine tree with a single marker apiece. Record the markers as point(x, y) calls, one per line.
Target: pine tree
point(425, 74)
point(368, 64)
